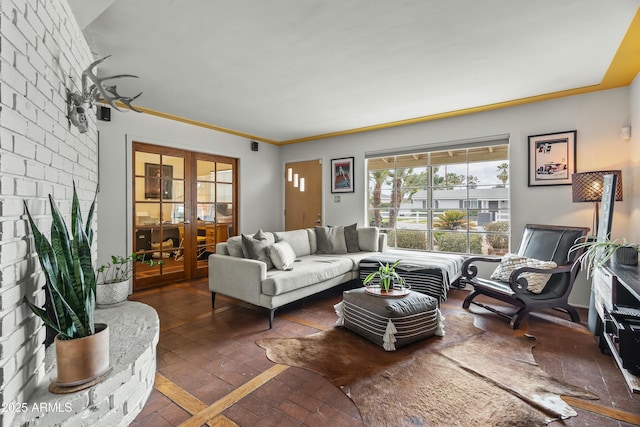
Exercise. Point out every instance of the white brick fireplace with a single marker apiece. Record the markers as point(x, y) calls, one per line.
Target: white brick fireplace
point(42, 53)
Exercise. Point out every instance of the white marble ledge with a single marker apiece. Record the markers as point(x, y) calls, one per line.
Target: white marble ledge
point(134, 330)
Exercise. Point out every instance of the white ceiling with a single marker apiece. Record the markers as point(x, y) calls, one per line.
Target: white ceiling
point(282, 70)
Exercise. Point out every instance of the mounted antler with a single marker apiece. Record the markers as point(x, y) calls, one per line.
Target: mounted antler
point(97, 91)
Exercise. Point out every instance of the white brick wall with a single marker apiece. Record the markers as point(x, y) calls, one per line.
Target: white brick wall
point(41, 47)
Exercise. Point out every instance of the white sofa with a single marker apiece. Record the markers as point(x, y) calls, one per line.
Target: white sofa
point(231, 273)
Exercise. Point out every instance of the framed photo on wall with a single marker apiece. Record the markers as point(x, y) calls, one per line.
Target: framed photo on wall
point(552, 158)
point(157, 179)
point(342, 175)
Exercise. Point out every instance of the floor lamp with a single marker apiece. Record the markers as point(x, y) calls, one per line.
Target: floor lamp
point(587, 187)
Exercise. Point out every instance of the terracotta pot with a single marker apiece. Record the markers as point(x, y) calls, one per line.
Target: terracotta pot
point(111, 294)
point(81, 360)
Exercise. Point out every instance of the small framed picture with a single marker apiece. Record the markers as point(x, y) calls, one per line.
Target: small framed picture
point(342, 175)
point(157, 179)
point(552, 158)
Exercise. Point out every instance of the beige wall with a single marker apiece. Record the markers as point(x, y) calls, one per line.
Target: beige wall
point(597, 117)
point(634, 159)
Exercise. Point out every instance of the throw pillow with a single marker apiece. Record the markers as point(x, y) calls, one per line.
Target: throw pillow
point(535, 281)
point(234, 247)
point(330, 240)
point(257, 249)
point(368, 238)
point(351, 238)
point(282, 255)
point(260, 235)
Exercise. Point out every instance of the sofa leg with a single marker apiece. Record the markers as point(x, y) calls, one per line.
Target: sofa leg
point(213, 299)
point(272, 313)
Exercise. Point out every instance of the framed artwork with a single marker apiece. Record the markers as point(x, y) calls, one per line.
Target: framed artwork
point(157, 179)
point(342, 175)
point(552, 158)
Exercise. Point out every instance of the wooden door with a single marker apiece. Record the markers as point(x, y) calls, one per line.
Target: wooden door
point(184, 203)
point(303, 194)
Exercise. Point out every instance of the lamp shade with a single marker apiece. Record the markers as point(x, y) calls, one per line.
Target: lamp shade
point(587, 186)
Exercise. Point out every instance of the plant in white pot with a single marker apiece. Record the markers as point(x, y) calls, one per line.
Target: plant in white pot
point(598, 253)
point(114, 278)
point(82, 346)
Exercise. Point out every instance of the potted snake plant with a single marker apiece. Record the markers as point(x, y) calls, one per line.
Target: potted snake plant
point(82, 346)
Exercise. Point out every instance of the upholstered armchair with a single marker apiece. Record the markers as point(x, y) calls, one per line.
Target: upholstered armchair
point(539, 275)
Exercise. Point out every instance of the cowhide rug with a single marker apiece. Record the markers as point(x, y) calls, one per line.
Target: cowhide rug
point(468, 377)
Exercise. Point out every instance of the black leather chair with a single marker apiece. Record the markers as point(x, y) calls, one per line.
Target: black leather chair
point(542, 242)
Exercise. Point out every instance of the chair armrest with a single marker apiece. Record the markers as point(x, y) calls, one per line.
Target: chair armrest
point(469, 271)
point(519, 286)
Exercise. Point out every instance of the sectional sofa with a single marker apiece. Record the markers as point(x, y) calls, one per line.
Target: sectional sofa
point(273, 269)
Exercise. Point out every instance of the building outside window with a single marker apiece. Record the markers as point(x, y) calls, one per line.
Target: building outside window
point(454, 200)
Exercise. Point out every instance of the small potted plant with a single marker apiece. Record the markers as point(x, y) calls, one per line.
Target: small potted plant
point(112, 287)
point(82, 346)
point(598, 253)
point(389, 281)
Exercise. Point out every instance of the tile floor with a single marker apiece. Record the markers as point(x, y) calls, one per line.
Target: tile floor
point(211, 372)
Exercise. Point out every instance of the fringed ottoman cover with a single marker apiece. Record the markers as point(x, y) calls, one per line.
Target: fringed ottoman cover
point(390, 322)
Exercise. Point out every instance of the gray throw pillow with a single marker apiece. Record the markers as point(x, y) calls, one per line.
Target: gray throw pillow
point(260, 235)
point(234, 247)
point(257, 249)
point(330, 240)
point(351, 238)
point(368, 238)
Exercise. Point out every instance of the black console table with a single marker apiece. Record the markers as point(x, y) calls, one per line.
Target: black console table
point(616, 291)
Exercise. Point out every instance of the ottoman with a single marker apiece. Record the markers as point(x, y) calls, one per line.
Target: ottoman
point(390, 321)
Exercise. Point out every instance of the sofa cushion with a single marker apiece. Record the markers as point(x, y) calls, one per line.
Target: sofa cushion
point(368, 238)
point(351, 238)
point(282, 255)
point(535, 281)
point(331, 240)
point(258, 249)
point(298, 239)
point(309, 271)
point(313, 243)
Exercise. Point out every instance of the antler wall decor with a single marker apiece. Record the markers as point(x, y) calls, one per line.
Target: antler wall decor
point(95, 90)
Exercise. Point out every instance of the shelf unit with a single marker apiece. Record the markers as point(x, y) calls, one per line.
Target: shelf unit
point(616, 285)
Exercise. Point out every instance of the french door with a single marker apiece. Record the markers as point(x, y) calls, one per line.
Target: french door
point(184, 203)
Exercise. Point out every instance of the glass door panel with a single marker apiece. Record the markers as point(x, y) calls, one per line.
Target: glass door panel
point(206, 197)
point(159, 210)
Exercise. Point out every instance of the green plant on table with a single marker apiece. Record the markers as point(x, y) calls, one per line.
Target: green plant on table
point(68, 268)
point(597, 253)
point(387, 274)
point(121, 268)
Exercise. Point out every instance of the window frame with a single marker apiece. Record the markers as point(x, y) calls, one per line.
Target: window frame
point(473, 200)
